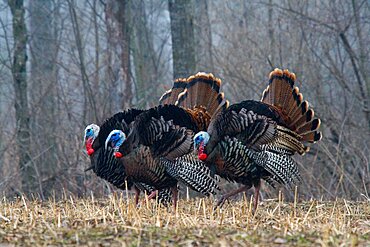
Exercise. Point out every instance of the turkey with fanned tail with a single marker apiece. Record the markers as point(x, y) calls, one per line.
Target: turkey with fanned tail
point(255, 140)
point(167, 131)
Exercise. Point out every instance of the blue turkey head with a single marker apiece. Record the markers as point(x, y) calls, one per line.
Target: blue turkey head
point(90, 134)
point(200, 141)
point(115, 139)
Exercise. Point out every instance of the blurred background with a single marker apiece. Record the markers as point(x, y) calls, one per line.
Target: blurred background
point(67, 63)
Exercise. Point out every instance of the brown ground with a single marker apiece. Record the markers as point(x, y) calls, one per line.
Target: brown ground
point(117, 222)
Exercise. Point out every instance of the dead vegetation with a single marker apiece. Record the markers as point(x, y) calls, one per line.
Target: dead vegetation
point(116, 221)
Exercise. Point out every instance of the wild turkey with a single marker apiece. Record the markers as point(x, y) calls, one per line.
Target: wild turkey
point(162, 173)
point(255, 140)
point(105, 165)
point(109, 168)
point(166, 132)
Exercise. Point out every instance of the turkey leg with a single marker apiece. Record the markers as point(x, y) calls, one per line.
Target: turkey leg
point(137, 194)
point(151, 196)
point(223, 199)
point(175, 193)
point(257, 187)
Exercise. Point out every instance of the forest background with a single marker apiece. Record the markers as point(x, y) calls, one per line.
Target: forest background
point(65, 64)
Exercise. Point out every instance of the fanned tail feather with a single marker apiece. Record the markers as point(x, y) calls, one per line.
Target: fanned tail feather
point(312, 136)
point(296, 113)
point(294, 101)
point(289, 140)
point(202, 90)
point(223, 105)
point(170, 96)
point(278, 92)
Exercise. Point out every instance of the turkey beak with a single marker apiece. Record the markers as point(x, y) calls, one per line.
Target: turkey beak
point(201, 155)
point(88, 145)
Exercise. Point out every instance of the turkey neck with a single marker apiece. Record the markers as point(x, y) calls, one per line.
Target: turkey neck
point(131, 144)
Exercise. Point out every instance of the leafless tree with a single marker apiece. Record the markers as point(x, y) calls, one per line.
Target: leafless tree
point(117, 18)
point(43, 85)
point(21, 99)
point(203, 37)
point(183, 42)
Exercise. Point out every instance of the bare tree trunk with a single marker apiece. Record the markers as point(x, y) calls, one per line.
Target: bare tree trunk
point(203, 37)
point(117, 17)
point(90, 110)
point(97, 45)
point(143, 54)
point(363, 63)
point(357, 71)
point(43, 88)
point(183, 44)
point(271, 36)
point(21, 99)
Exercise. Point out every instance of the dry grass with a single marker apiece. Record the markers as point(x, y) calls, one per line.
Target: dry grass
point(117, 222)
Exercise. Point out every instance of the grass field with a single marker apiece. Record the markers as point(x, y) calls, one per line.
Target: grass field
point(116, 221)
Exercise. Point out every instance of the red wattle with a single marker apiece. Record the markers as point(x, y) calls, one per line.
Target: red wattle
point(90, 151)
point(118, 154)
point(88, 145)
point(202, 156)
